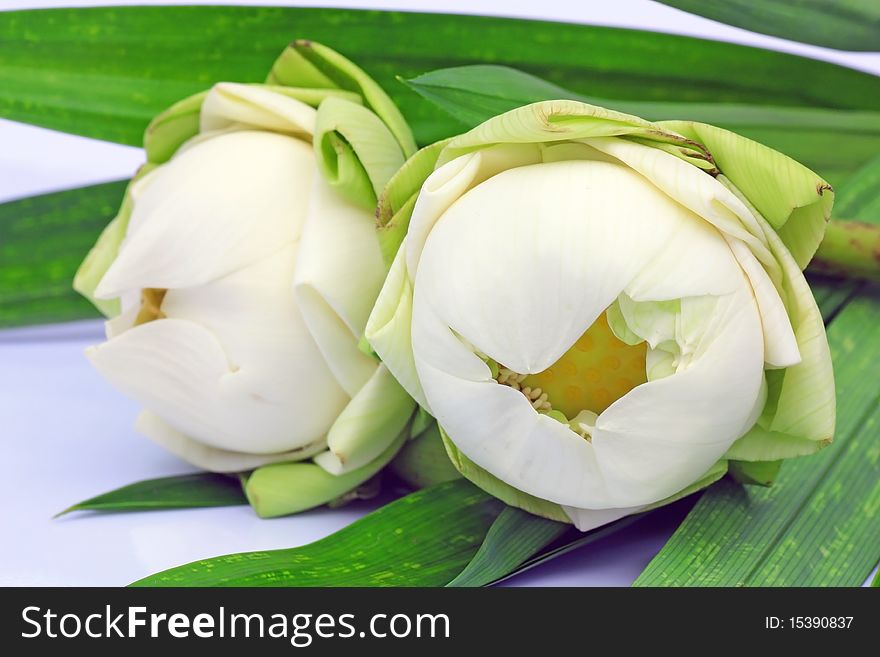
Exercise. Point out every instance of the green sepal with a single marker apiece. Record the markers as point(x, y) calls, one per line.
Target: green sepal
point(423, 460)
point(422, 421)
point(284, 488)
point(761, 444)
point(567, 120)
point(105, 250)
point(794, 200)
point(544, 508)
point(309, 64)
point(170, 129)
point(755, 473)
point(504, 492)
point(716, 472)
point(398, 199)
point(355, 151)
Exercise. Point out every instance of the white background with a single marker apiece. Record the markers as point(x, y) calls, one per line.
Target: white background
point(68, 435)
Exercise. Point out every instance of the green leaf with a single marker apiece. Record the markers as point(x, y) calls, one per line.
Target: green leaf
point(42, 241)
point(105, 72)
point(513, 538)
point(179, 492)
point(860, 197)
point(841, 24)
point(817, 525)
point(833, 142)
point(578, 540)
point(505, 556)
point(423, 539)
point(831, 294)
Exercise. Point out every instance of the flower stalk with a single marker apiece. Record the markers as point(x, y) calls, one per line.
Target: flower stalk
point(850, 249)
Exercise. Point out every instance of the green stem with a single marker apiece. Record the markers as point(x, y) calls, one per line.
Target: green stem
point(851, 249)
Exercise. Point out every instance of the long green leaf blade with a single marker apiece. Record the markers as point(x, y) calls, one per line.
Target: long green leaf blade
point(201, 489)
point(817, 525)
point(104, 72)
point(841, 24)
point(42, 241)
point(514, 537)
point(833, 142)
point(860, 197)
point(423, 539)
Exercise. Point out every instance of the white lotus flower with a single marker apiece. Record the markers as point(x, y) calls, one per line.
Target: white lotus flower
point(597, 316)
point(246, 273)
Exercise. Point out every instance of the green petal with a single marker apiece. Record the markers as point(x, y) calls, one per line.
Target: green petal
point(423, 460)
point(504, 492)
point(180, 122)
point(566, 120)
point(399, 198)
point(104, 252)
point(313, 97)
point(369, 423)
point(310, 64)
point(170, 129)
point(760, 444)
point(422, 421)
point(284, 488)
point(389, 328)
point(794, 200)
point(356, 152)
point(800, 407)
point(756, 473)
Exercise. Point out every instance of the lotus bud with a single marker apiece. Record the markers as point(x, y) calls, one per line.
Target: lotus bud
point(239, 275)
point(602, 313)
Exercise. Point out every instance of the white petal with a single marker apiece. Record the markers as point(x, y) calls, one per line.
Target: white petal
point(339, 273)
point(692, 188)
point(649, 444)
point(524, 262)
point(720, 207)
point(663, 435)
point(241, 105)
point(211, 458)
point(693, 247)
point(214, 208)
point(587, 519)
point(517, 268)
point(240, 373)
point(389, 329)
point(780, 345)
point(439, 191)
point(368, 425)
point(653, 321)
point(806, 404)
point(449, 182)
point(659, 363)
point(122, 322)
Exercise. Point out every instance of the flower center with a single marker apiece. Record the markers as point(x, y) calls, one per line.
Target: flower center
point(598, 370)
point(151, 305)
